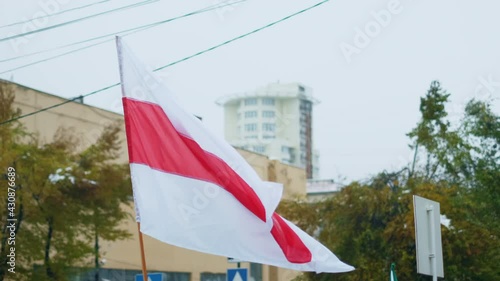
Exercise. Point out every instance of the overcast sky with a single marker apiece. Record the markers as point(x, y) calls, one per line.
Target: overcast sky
point(368, 62)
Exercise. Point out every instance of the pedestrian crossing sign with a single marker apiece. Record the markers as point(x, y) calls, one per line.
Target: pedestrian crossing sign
point(237, 274)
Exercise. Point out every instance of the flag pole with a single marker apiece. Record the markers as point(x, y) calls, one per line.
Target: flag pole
point(141, 242)
point(143, 256)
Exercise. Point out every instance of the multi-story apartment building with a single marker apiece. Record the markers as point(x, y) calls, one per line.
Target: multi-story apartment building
point(274, 120)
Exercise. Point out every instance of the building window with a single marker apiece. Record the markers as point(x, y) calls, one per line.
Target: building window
point(268, 114)
point(251, 101)
point(268, 101)
point(251, 137)
point(286, 161)
point(79, 273)
point(259, 148)
point(251, 127)
point(285, 149)
point(268, 136)
point(256, 271)
point(206, 276)
point(268, 127)
point(250, 114)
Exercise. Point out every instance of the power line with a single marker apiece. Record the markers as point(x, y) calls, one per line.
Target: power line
point(55, 14)
point(78, 20)
point(59, 104)
point(56, 48)
point(54, 57)
point(170, 64)
point(242, 36)
point(131, 30)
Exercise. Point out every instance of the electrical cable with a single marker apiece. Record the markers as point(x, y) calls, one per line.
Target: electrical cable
point(58, 104)
point(170, 64)
point(50, 58)
point(131, 30)
point(146, 2)
point(55, 14)
point(242, 36)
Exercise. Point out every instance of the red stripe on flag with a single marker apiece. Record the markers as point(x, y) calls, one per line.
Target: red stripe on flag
point(154, 141)
point(290, 243)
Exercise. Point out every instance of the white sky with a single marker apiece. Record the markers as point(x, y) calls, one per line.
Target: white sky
point(369, 101)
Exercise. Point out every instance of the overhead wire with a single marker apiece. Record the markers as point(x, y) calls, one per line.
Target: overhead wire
point(146, 2)
point(59, 104)
point(55, 14)
point(242, 36)
point(130, 30)
point(170, 64)
point(54, 57)
point(124, 33)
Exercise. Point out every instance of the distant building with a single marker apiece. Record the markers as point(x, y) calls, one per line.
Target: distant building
point(320, 189)
point(274, 120)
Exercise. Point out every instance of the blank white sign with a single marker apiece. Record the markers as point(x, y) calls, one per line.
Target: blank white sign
point(423, 209)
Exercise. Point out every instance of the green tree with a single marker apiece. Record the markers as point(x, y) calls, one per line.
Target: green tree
point(370, 225)
point(467, 155)
point(103, 190)
point(65, 200)
point(49, 229)
point(11, 147)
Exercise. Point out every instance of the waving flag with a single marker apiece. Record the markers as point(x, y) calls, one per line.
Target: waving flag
point(194, 190)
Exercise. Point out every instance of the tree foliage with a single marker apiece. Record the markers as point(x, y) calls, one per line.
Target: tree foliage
point(370, 225)
point(67, 199)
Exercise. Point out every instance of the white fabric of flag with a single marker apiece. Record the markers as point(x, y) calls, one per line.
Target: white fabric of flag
point(194, 190)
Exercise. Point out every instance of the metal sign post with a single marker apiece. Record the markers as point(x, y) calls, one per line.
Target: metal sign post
point(432, 252)
point(428, 237)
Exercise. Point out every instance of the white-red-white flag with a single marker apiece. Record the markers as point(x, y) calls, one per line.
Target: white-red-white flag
point(193, 190)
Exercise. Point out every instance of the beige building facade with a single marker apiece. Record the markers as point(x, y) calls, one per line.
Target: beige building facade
point(121, 260)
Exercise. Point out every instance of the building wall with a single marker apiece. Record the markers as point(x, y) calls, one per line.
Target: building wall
point(229, 114)
point(315, 161)
point(318, 190)
point(87, 123)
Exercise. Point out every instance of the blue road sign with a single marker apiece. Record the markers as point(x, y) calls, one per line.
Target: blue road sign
point(151, 277)
point(237, 274)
